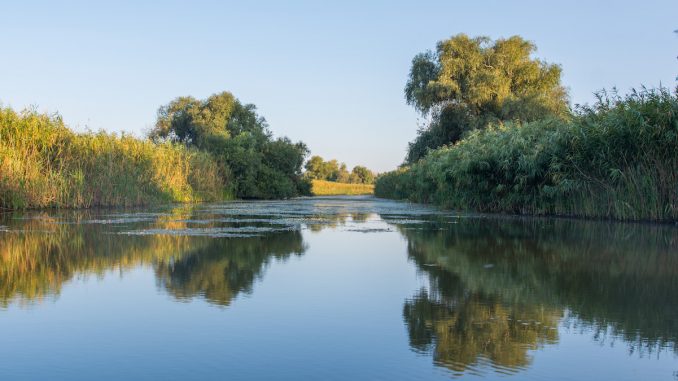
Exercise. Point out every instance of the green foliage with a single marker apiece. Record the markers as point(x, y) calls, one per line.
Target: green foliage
point(318, 169)
point(469, 83)
point(361, 175)
point(343, 176)
point(616, 159)
point(44, 164)
point(239, 138)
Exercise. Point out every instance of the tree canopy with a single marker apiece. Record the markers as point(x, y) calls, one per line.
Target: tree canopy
point(319, 169)
point(263, 167)
point(361, 175)
point(469, 83)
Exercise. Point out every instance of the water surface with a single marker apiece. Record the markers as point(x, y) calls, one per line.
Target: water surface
point(333, 288)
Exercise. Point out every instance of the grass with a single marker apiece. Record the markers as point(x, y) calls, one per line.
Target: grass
point(43, 164)
point(331, 188)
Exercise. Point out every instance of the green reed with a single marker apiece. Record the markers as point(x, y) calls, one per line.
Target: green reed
point(616, 159)
point(44, 164)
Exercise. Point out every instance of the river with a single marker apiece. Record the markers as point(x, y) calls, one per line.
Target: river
point(334, 288)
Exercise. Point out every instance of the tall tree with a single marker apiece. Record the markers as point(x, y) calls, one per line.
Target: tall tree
point(239, 137)
point(361, 175)
point(468, 83)
point(319, 169)
point(343, 176)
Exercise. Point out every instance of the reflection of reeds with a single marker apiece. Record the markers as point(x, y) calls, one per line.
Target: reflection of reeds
point(39, 254)
point(618, 278)
point(44, 164)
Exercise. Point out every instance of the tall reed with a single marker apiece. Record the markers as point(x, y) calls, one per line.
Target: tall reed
point(44, 164)
point(616, 159)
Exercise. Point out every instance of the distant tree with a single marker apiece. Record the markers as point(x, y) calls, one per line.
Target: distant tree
point(318, 169)
point(343, 176)
point(331, 170)
point(469, 83)
point(361, 175)
point(314, 168)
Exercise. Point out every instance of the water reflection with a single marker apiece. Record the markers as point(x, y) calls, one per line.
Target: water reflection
point(224, 268)
point(498, 291)
point(213, 251)
point(501, 287)
point(39, 252)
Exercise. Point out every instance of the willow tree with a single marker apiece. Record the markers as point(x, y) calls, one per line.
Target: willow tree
point(239, 137)
point(469, 83)
point(361, 175)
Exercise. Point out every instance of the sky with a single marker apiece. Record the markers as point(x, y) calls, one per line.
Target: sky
point(328, 73)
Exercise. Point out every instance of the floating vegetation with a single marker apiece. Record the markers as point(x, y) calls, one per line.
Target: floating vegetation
point(404, 221)
point(127, 220)
point(370, 230)
point(223, 232)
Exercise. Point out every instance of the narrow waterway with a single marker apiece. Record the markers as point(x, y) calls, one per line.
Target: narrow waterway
point(333, 288)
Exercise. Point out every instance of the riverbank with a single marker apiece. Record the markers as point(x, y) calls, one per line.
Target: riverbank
point(331, 188)
point(617, 159)
point(46, 165)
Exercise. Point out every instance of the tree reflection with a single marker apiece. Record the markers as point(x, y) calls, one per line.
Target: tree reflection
point(478, 327)
point(498, 287)
point(319, 222)
point(40, 252)
point(226, 267)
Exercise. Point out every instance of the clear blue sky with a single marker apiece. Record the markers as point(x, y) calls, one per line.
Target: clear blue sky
point(328, 73)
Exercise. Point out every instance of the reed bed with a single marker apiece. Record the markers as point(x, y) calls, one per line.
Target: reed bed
point(617, 159)
point(331, 188)
point(44, 164)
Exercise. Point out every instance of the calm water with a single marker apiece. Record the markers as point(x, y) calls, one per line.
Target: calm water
point(333, 288)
